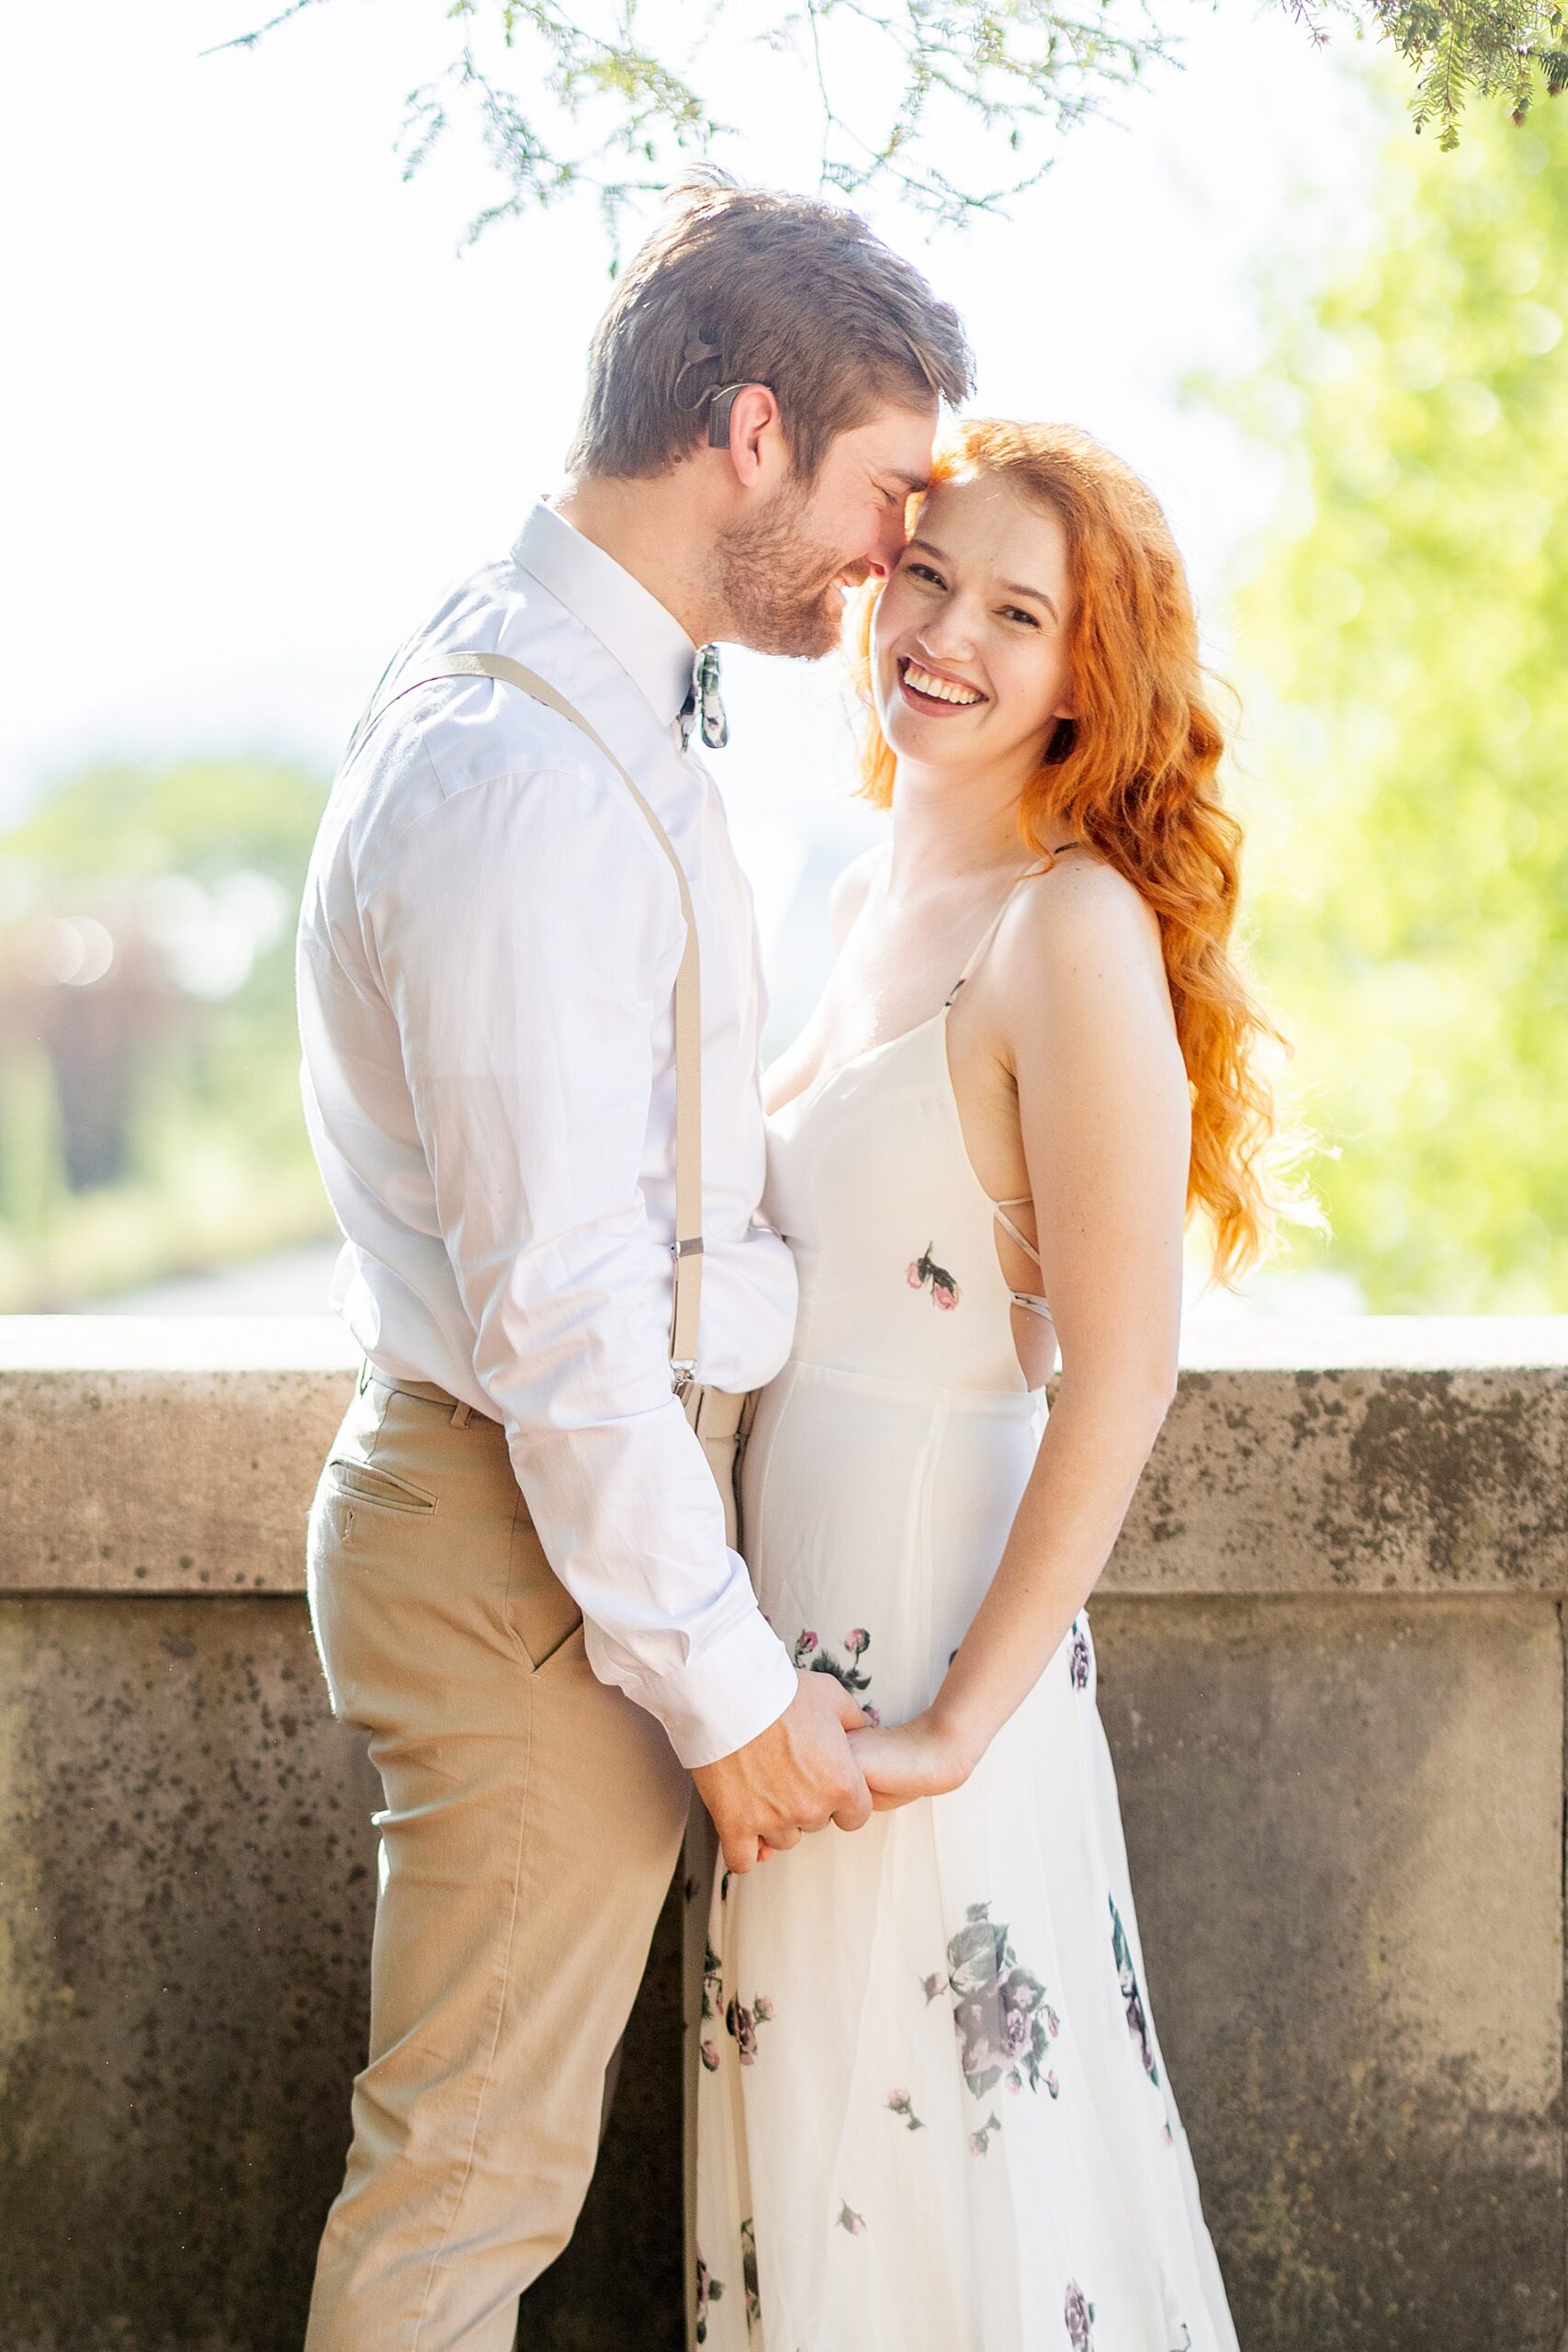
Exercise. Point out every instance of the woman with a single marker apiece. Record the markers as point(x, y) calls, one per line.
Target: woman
point(932, 2113)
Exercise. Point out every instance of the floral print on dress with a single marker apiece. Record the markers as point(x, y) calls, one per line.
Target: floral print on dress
point(812, 1658)
point(999, 2011)
point(851, 2220)
point(899, 2103)
point(709, 2291)
point(1078, 2314)
point(741, 2023)
point(980, 2141)
point(924, 1270)
point(749, 2278)
point(1137, 2018)
point(1078, 1657)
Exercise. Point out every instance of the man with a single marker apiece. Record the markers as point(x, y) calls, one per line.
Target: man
point(521, 1570)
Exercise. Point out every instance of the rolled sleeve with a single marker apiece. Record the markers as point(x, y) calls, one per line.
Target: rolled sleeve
point(527, 932)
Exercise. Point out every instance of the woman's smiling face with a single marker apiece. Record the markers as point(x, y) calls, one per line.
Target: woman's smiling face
point(969, 648)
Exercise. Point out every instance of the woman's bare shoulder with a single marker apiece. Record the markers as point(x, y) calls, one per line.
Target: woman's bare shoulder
point(1082, 906)
point(852, 889)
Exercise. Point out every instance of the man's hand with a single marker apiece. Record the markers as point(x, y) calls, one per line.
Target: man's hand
point(799, 1774)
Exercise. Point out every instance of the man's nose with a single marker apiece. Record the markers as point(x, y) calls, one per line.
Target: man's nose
point(891, 540)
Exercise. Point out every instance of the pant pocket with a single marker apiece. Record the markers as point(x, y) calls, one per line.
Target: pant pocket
point(541, 1615)
point(383, 1489)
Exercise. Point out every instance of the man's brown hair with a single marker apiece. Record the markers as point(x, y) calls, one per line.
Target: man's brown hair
point(738, 286)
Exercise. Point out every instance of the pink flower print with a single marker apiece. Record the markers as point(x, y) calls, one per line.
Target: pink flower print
point(1053, 2085)
point(931, 1985)
point(851, 2220)
point(1053, 2022)
point(741, 2024)
point(709, 2051)
point(899, 2103)
point(980, 2141)
point(924, 1270)
point(809, 1655)
point(1078, 2314)
point(872, 1716)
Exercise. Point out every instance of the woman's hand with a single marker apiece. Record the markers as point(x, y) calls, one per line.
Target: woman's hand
point(924, 1757)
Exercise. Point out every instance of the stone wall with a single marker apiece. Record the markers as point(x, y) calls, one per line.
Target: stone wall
point(1332, 1672)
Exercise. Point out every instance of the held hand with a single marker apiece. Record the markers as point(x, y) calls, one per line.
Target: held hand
point(923, 1758)
point(797, 1775)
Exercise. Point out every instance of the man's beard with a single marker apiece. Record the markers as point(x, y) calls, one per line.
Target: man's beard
point(778, 589)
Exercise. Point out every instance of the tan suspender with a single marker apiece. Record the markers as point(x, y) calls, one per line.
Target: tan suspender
point(688, 1246)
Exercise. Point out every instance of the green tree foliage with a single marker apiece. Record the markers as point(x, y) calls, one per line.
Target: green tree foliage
point(148, 1097)
point(568, 98)
point(1410, 621)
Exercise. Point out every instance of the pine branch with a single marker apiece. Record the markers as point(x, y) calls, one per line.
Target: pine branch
point(606, 114)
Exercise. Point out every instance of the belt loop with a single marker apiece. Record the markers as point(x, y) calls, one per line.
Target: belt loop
point(461, 1416)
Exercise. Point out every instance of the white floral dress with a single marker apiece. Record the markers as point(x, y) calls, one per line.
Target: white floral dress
point(932, 2112)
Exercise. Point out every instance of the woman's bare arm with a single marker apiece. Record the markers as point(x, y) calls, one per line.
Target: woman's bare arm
point(1104, 1114)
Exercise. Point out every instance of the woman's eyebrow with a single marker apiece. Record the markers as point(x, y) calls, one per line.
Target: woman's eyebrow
point(1017, 588)
point(1013, 587)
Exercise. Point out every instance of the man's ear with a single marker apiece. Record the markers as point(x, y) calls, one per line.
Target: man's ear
point(753, 413)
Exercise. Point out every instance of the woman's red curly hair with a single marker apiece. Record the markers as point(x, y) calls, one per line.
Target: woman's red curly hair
point(1132, 775)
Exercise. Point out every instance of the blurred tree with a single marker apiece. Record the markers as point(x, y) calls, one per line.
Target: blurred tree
point(1409, 621)
point(899, 83)
point(149, 1102)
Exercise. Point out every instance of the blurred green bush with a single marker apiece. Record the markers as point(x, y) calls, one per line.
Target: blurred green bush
point(149, 1115)
point(1404, 639)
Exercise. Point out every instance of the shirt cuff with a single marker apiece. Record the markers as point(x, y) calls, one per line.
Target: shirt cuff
point(729, 1694)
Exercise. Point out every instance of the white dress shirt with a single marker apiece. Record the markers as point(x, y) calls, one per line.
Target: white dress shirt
point(487, 954)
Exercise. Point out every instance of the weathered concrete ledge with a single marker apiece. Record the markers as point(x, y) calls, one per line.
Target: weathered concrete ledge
point(1332, 1673)
point(1373, 1454)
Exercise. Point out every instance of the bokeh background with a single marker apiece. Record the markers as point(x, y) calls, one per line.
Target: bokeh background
point(266, 397)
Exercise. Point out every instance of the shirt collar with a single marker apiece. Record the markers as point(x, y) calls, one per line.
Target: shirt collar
point(632, 626)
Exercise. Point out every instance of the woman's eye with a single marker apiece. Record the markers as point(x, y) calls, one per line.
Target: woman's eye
point(924, 571)
point(1016, 612)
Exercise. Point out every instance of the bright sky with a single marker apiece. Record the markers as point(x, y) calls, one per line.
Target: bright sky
point(262, 407)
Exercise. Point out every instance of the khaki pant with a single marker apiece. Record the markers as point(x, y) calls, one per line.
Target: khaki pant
point(532, 1819)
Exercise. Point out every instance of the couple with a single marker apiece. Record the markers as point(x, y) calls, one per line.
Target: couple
point(931, 2110)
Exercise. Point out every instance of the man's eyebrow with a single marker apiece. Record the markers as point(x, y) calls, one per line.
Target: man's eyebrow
point(913, 483)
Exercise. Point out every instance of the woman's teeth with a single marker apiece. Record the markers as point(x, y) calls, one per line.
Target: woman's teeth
point(940, 689)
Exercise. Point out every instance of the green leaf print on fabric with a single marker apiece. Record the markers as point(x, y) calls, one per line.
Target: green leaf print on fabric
point(999, 2011)
point(749, 2275)
point(1078, 2313)
point(899, 2103)
point(931, 1985)
point(1137, 2018)
point(709, 2291)
point(742, 2023)
point(851, 2220)
point(980, 2141)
